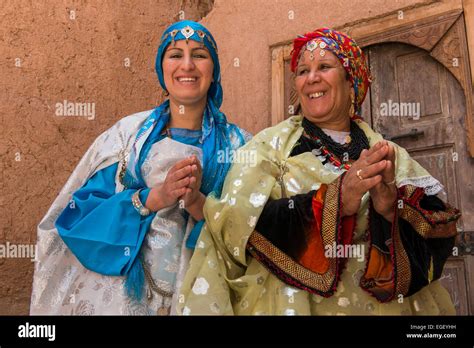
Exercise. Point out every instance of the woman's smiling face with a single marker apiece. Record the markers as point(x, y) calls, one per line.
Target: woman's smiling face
point(187, 72)
point(322, 88)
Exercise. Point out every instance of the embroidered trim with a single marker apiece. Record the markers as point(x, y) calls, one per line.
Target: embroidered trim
point(285, 268)
point(402, 269)
point(293, 273)
point(425, 227)
point(429, 224)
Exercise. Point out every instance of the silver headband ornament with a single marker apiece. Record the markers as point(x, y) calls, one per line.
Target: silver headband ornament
point(188, 32)
point(312, 45)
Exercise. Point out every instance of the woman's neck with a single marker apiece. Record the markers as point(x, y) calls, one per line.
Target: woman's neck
point(343, 125)
point(186, 116)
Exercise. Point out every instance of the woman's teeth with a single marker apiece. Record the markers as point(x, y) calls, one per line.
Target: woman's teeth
point(186, 79)
point(316, 95)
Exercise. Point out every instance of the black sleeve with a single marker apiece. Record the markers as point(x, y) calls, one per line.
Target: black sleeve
point(420, 250)
point(285, 223)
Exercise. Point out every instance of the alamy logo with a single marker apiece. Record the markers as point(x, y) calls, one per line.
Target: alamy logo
point(392, 108)
point(23, 251)
point(248, 157)
point(345, 251)
point(67, 108)
point(37, 331)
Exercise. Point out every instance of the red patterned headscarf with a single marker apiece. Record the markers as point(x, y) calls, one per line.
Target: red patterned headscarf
point(347, 51)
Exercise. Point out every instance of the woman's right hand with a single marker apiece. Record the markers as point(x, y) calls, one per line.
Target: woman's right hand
point(174, 186)
point(369, 165)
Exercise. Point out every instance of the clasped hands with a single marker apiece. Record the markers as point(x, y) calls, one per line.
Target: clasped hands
point(373, 172)
point(182, 182)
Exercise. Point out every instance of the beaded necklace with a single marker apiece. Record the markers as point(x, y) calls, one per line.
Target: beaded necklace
point(332, 151)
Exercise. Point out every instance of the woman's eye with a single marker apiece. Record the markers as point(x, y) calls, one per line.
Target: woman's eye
point(201, 56)
point(302, 71)
point(174, 56)
point(325, 67)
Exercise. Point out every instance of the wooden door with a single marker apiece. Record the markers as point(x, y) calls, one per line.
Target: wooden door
point(429, 123)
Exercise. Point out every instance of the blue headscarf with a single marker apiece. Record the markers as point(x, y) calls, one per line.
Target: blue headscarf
point(197, 32)
point(215, 135)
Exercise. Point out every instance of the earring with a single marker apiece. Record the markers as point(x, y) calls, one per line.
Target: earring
point(166, 93)
point(352, 109)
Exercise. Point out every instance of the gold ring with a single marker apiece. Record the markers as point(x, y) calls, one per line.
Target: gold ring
point(358, 174)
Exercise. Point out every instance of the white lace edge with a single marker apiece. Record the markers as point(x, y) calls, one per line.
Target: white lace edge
point(430, 185)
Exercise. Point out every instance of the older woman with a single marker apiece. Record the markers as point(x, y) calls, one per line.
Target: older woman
point(135, 199)
point(331, 219)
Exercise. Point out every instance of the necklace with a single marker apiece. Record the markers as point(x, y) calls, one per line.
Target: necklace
point(334, 152)
point(153, 287)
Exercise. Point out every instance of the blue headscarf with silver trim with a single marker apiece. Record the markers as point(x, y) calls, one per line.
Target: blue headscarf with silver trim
point(189, 30)
point(215, 135)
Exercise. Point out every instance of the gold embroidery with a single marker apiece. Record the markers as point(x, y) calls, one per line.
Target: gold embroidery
point(325, 282)
point(424, 228)
point(429, 224)
point(402, 263)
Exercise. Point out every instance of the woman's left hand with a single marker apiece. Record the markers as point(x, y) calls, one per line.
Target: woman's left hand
point(384, 194)
point(193, 198)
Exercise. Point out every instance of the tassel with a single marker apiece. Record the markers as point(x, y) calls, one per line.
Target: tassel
point(135, 280)
point(194, 235)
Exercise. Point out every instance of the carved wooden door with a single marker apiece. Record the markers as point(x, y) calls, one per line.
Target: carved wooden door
point(417, 103)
